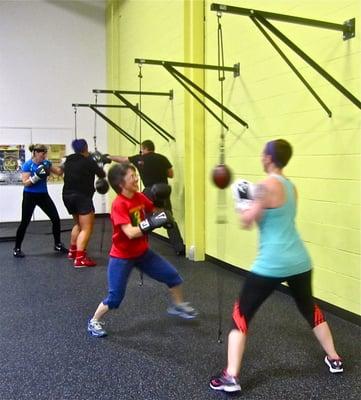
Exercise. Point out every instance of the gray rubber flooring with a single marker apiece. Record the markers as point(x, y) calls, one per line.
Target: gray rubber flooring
point(46, 352)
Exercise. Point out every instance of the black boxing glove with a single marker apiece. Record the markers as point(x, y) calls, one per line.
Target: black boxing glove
point(105, 159)
point(40, 173)
point(159, 193)
point(157, 220)
point(101, 185)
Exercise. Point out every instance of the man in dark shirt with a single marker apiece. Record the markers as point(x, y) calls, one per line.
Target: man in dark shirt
point(155, 168)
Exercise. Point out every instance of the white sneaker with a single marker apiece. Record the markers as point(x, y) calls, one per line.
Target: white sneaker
point(95, 328)
point(182, 310)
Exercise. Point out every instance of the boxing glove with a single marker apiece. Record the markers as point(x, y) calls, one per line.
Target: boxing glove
point(100, 159)
point(101, 185)
point(105, 159)
point(157, 220)
point(39, 174)
point(97, 157)
point(243, 194)
point(159, 192)
point(47, 165)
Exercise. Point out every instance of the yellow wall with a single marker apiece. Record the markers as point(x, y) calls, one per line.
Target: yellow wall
point(325, 165)
point(151, 30)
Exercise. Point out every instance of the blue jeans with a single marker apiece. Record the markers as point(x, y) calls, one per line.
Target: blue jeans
point(150, 263)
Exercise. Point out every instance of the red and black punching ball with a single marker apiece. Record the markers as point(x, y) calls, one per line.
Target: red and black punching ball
point(221, 176)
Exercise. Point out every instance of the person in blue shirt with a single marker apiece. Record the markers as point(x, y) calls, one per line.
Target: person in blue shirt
point(34, 177)
point(282, 257)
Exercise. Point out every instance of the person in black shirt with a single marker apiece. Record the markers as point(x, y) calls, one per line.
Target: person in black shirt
point(155, 168)
point(79, 173)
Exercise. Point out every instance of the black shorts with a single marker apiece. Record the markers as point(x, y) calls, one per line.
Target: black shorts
point(78, 204)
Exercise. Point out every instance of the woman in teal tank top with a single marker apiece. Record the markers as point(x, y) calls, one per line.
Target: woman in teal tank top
point(281, 250)
point(282, 257)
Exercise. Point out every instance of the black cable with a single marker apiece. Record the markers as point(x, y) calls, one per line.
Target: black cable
point(75, 122)
point(221, 78)
point(103, 195)
point(95, 125)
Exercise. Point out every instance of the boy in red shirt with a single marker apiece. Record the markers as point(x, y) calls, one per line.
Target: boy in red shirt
point(130, 247)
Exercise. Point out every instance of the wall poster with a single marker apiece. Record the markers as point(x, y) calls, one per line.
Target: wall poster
point(12, 158)
point(56, 154)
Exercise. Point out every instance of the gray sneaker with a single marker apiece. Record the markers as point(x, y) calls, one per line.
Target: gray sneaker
point(95, 328)
point(182, 310)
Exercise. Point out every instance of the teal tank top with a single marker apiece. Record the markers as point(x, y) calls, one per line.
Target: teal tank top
point(281, 251)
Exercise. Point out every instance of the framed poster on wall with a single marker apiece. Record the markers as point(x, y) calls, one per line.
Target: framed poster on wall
point(12, 158)
point(56, 154)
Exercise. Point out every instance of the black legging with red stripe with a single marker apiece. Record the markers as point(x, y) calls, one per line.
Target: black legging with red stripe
point(44, 201)
point(258, 288)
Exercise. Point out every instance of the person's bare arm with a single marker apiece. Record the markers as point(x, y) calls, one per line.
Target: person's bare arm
point(25, 177)
point(118, 159)
point(132, 232)
point(170, 173)
point(57, 170)
point(254, 213)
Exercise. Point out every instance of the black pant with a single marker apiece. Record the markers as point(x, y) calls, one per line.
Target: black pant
point(44, 201)
point(258, 288)
point(174, 234)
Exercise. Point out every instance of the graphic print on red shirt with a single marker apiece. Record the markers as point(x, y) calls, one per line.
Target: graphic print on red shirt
point(129, 211)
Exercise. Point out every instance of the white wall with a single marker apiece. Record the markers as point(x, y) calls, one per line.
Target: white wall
point(52, 54)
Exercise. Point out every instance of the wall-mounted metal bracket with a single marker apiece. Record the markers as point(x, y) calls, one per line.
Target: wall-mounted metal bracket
point(187, 83)
point(108, 120)
point(347, 28)
point(162, 132)
point(289, 63)
point(169, 94)
point(98, 105)
point(119, 94)
point(234, 69)
point(261, 16)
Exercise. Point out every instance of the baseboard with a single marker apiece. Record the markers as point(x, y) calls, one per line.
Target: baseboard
point(339, 312)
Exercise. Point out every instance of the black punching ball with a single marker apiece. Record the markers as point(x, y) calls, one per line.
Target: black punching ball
point(101, 185)
point(221, 176)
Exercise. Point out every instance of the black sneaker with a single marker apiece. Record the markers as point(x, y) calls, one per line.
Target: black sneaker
point(60, 248)
point(181, 252)
point(18, 253)
point(335, 366)
point(225, 382)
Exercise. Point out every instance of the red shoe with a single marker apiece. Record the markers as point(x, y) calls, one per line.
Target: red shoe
point(72, 252)
point(84, 262)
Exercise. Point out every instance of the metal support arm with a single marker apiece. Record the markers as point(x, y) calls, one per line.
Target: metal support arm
point(234, 69)
point(294, 69)
point(205, 94)
point(347, 28)
point(118, 93)
point(309, 60)
point(187, 83)
point(169, 94)
point(99, 105)
point(162, 132)
point(108, 120)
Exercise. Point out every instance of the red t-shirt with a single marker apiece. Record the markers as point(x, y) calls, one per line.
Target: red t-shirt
point(129, 211)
